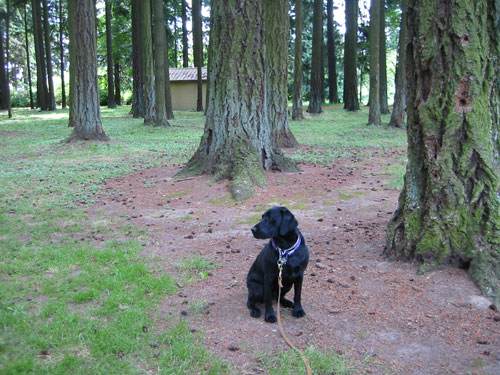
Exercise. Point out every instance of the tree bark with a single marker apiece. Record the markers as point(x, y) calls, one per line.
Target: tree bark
point(198, 51)
point(185, 47)
point(160, 55)
point(118, 92)
point(297, 113)
point(399, 106)
point(351, 102)
point(316, 95)
point(7, 58)
point(109, 56)
point(147, 68)
point(448, 210)
point(384, 105)
point(374, 45)
point(4, 80)
point(237, 142)
point(276, 46)
point(333, 96)
point(51, 99)
point(42, 91)
point(137, 74)
point(84, 105)
point(61, 55)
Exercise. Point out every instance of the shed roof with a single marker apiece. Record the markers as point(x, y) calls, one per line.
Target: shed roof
point(186, 74)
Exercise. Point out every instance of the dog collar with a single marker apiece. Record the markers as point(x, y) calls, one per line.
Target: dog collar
point(284, 254)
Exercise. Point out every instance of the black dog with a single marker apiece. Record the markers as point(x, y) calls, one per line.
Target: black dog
point(287, 244)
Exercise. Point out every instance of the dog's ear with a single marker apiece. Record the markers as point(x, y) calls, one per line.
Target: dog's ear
point(288, 222)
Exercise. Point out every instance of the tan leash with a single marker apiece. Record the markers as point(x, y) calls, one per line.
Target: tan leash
point(282, 331)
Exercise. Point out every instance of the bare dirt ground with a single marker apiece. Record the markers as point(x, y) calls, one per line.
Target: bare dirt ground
point(382, 315)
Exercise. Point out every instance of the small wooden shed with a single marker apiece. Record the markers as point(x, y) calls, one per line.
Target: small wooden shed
point(184, 88)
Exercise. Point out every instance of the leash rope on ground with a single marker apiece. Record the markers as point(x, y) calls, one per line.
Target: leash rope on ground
point(282, 331)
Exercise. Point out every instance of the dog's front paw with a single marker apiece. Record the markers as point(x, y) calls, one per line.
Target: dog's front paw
point(255, 312)
point(298, 312)
point(270, 317)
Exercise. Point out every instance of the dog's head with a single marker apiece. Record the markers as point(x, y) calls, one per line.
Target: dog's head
point(277, 221)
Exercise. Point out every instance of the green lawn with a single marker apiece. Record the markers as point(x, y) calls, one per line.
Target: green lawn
point(68, 305)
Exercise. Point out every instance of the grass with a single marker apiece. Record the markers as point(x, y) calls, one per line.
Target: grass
point(322, 363)
point(67, 303)
point(72, 304)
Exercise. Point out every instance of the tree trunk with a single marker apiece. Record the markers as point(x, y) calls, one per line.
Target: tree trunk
point(175, 44)
point(147, 68)
point(118, 92)
point(399, 106)
point(137, 74)
point(198, 51)
point(160, 55)
point(333, 96)
point(168, 92)
point(384, 105)
point(297, 113)
point(4, 80)
point(42, 91)
point(276, 46)
point(351, 102)
point(61, 55)
point(7, 57)
point(109, 56)
point(237, 142)
point(51, 99)
point(374, 45)
point(185, 47)
point(84, 112)
point(449, 209)
point(316, 95)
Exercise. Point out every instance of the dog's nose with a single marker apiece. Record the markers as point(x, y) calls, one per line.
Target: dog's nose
point(254, 229)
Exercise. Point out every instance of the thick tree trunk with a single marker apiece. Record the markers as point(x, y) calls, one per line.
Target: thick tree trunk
point(350, 95)
point(4, 80)
point(51, 99)
point(185, 47)
point(28, 61)
point(61, 55)
point(237, 142)
point(384, 105)
point(316, 95)
point(333, 96)
point(198, 50)
point(297, 113)
point(374, 43)
point(84, 112)
point(42, 91)
point(449, 209)
point(160, 55)
point(276, 46)
point(399, 106)
point(147, 68)
point(168, 92)
point(109, 56)
point(118, 92)
point(137, 74)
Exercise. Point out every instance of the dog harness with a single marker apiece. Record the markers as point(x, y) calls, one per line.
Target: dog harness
point(284, 254)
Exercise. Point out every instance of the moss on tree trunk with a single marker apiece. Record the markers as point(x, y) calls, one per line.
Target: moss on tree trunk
point(237, 143)
point(448, 210)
